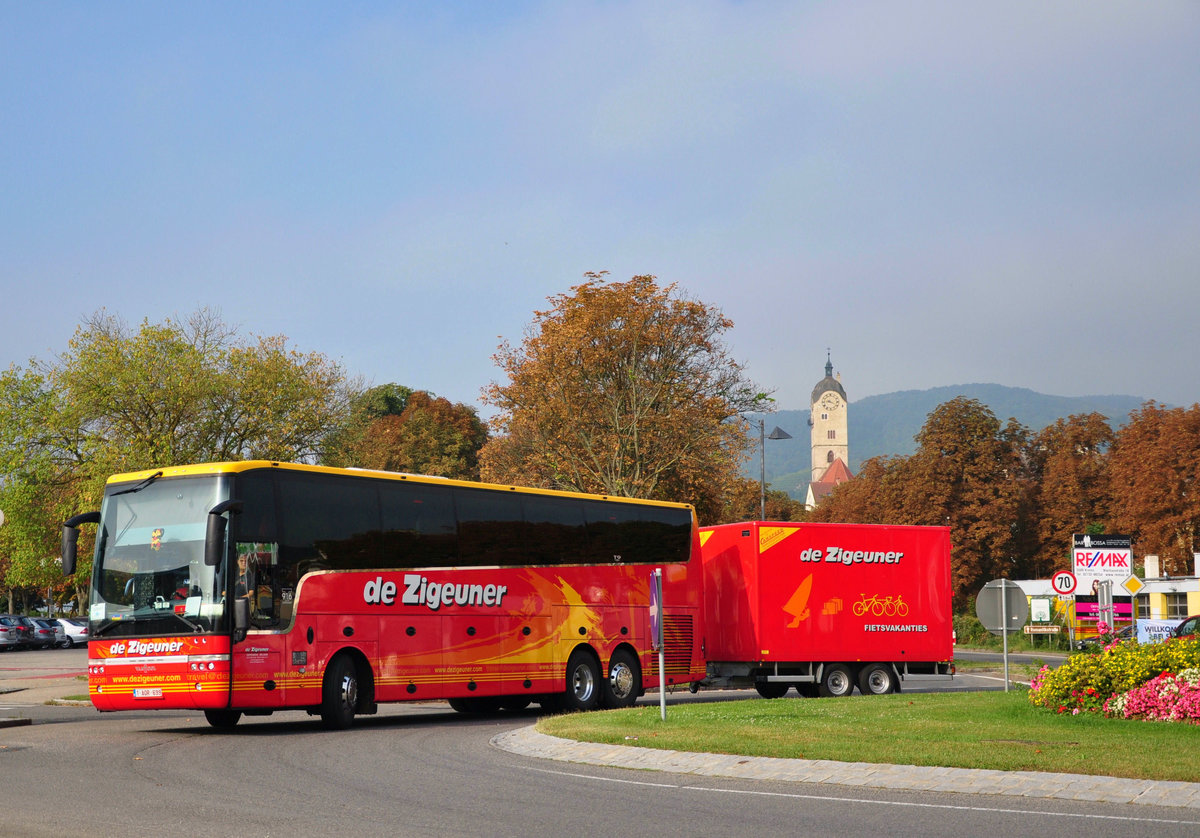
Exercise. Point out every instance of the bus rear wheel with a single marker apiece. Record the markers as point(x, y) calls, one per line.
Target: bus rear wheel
point(339, 693)
point(222, 719)
point(624, 679)
point(583, 681)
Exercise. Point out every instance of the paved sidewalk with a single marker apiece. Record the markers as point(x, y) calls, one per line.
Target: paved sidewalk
point(527, 741)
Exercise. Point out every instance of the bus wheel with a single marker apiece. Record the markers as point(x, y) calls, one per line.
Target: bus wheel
point(624, 678)
point(771, 689)
point(583, 681)
point(339, 693)
point(877, 679)
point(836, 681)
point(222, 719)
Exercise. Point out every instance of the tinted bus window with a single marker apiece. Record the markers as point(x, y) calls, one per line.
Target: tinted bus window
point(491, 529)
point(419, 529)
point(637, 534)
point(329, 522)
point(556, 530)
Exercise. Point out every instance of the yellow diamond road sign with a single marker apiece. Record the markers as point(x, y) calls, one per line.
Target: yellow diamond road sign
point(1133, 585)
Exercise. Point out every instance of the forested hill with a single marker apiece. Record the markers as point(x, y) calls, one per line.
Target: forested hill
point(886, 425)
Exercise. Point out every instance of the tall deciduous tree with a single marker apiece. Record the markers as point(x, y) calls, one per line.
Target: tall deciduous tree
point(968, 474)
point(623, 389)
point(122, 400)
point(1068, 463)
point(398, 429)
point(1155, 469)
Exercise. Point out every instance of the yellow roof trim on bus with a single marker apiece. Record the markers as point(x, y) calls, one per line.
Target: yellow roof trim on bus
point(200, 469)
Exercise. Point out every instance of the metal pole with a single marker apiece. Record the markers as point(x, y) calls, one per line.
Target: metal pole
point(1004, 623)
point(762, 475)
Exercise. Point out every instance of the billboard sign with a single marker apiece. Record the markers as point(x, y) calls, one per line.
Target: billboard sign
point(1100, 558)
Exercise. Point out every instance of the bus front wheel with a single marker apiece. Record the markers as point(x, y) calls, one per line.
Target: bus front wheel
point(222, 719)
point(583, 681)
point(339, 693)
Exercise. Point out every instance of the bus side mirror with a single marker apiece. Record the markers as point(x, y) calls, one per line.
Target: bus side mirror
point(241, 618)
point(70, 539)
point(214, 539)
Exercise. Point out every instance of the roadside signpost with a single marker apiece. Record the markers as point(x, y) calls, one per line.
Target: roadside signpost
point(1003, 609)
point(1064, 582)
point(656, 637)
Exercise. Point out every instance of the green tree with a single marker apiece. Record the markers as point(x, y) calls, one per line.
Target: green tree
point(122, 400)
point(623, 389)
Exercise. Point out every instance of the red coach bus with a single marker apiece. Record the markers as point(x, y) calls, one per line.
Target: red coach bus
point(246, 588)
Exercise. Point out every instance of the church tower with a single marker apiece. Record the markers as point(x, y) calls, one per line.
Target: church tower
point(830, 437)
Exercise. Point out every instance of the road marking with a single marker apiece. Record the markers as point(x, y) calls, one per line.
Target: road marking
point(834, 799)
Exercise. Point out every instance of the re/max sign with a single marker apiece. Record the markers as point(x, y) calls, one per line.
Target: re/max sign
point(1102, 558)
point(418, 590)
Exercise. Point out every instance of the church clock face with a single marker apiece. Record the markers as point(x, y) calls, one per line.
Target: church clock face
point(830, 402)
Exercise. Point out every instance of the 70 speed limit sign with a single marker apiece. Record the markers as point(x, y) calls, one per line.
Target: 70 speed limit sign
point(1064, 582)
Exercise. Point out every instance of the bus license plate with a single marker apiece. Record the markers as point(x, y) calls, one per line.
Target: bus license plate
point(147, 692)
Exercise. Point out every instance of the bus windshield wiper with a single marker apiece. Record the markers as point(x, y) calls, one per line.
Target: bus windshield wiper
point(142, 485)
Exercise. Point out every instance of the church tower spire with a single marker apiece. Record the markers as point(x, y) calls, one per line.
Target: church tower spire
point(830, 438)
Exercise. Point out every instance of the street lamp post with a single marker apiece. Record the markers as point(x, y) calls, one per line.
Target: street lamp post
point(778, 433)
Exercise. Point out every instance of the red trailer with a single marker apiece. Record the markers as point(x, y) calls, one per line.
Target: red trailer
point(825, 607)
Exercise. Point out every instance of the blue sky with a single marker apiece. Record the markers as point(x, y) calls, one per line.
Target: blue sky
point(940, 192)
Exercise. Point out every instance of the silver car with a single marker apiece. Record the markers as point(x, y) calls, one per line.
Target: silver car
point(10, 634)
point(75, 632)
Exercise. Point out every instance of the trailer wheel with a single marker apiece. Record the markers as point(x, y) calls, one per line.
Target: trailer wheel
point(836, 681)
point(877, 679)
point(771, 689)
point(339, 693)
point(807, 690)
point(583, 681)
point(624, 679)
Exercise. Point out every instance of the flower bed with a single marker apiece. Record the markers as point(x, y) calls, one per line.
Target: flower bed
point(1156, 681)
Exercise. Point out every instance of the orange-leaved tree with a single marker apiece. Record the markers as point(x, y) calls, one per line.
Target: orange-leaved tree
point(1155, 469)
point(623, 388)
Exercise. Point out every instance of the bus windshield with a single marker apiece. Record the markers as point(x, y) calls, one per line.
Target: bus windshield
point(149, 575)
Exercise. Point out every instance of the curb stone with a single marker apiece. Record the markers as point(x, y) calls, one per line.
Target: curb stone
point(527, 741)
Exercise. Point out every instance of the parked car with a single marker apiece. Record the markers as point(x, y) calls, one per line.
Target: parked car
point(43, 635)
point(10, 635)
point(1188, 627)
point(23, 627)
point(76, 632)
point(60, 633)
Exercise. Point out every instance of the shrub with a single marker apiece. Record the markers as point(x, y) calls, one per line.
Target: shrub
point(1086, 682)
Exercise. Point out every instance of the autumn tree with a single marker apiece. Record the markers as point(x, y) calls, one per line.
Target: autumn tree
point(746, 502)
point(874, 496)
point(623, 389)
point(1154, 467)
point(1069, 470)
point(120, 399)
point(967, 473)
point(398, 429)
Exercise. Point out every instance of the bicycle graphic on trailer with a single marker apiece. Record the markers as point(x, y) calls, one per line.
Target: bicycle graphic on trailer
point(881, 606)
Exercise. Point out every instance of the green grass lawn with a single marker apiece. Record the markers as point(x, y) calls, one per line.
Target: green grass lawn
point(994, 730)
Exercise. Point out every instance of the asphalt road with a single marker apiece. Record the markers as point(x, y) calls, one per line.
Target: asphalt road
point(423, 770)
